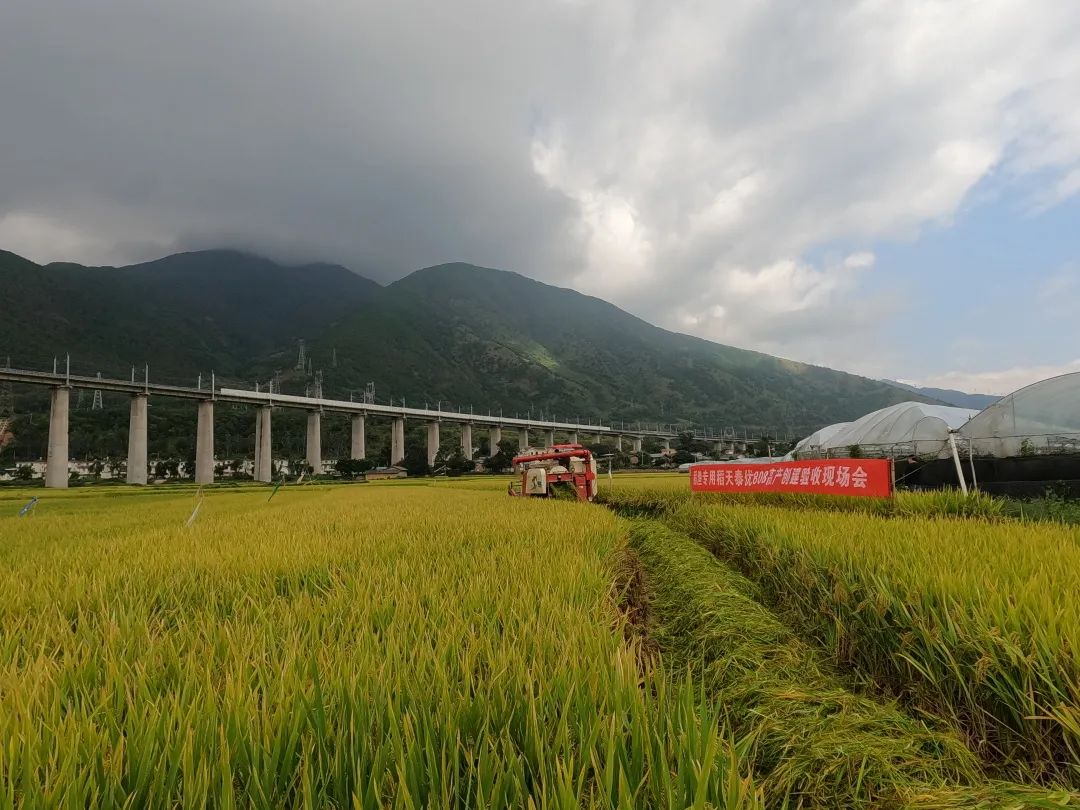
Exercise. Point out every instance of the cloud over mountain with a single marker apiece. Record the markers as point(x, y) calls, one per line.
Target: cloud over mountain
point(723, 168)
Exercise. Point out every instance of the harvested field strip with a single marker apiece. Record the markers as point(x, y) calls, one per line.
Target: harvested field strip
point(814, 743)
point(338, 648)
point(975, 622)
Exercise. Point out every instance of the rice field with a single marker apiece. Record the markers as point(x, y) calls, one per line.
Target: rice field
point(335, 647)
point(437, 644)
point(971, 620)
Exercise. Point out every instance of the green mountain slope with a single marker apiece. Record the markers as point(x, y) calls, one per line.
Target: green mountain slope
point(453, 333)
point(184, 314)
point(488, 336)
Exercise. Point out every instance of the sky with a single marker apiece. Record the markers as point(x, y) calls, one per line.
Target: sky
point(888, 187)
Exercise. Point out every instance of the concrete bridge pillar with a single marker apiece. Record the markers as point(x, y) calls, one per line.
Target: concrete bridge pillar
point(204, 444)
point(718, 449)
point(264, 458)
point(56, 462)
point(397, 440)
point(494, 437)
point(432, 442)
point(523, 439)
point(466, 440)
point(667, 443)
point(599, 438)
point(314, 441)
point(574, 437)
point(550, 438)
point(618, 443)
point(637, 444)
point(258, 444)
point(358, 449)
point(136, 462)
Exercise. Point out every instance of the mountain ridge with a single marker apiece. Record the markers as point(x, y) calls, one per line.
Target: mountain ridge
point(452, 332)
point(950, 396)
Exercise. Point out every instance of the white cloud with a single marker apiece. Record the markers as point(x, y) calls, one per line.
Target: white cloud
point(784, 129)
point(45, 239)
point(1001, 382)
point(688, 160)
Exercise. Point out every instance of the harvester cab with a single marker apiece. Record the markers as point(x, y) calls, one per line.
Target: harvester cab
point(561, 468)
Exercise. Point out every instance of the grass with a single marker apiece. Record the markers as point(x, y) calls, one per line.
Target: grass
point(974, 621)
point(345, 647)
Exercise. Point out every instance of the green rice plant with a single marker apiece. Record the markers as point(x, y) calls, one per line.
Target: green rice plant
point(971, 621)
point(337, 647)
point(814, 742)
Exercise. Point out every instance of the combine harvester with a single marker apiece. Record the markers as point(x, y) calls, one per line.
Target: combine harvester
point(561, 468)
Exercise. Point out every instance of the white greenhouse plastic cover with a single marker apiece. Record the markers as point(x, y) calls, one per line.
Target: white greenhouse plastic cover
point(818, 439)
point(1043, 417)
point(912, 427)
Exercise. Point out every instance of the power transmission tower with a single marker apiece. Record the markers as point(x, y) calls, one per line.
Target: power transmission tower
point(301, 360)
point(97, 405)
point(333, 358)
point(369, 394)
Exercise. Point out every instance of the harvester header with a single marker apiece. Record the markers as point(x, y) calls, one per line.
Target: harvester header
point(559, 468)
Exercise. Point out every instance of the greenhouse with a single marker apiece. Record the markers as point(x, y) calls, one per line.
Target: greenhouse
point(1021, 445)
point(1042, 418)
point(902, 429)
point(818, 439)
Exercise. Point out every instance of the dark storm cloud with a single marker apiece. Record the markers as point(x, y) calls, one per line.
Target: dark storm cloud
point(681, 158)
point(382, 139)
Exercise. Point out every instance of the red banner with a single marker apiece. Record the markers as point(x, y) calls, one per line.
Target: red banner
point(868, 477)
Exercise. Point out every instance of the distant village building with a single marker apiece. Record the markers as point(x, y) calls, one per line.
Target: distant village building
point(382, 473)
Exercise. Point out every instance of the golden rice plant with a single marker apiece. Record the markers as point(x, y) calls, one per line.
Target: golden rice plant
point(975, 621)
point(336, 647)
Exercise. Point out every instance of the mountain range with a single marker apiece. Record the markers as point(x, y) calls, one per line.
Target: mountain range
point(455, 333)
point(950, 396)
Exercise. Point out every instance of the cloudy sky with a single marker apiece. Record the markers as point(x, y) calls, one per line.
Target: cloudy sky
point(892, 187)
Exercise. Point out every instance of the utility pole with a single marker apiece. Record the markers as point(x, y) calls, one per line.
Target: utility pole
point(7, 407)
point(7, 400)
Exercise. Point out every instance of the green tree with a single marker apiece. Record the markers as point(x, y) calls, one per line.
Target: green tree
point(504, 458)
point(457, 463)
point(685, 441)
point(683, 457)
point(415, 461)
point(352, 467)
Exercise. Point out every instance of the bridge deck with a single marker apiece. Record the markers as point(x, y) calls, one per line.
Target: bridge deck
point(256, 398)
